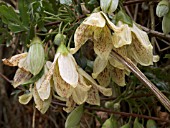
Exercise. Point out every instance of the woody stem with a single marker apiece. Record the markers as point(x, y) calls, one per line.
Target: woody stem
point(134, 69)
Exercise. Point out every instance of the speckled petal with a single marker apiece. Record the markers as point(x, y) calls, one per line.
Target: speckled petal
point(82, 84)
point(62, 88)
point(141, 48)
point(118, 76)
point(81, 35)
point(103, 45)
point(93, 97)
point(14, 60)
point(99, 65)
point(21, 76)
point(104, 77)
point(104, 91)
point(67, 69)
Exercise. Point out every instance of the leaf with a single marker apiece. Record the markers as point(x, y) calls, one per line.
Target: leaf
point(9, 13)
point(16, 28)
point(110, 123)
point(74, 117)
point(122, 16)
point(126, 126)
point(167, 56)
point(23, 11)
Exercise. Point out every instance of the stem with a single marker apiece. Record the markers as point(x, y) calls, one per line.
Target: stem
point(127, 62)
point(117, 113)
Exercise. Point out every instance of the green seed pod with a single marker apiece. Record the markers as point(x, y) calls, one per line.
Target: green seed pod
point(151, 124)
point(166, 23)
point(109, 6)
point(58, 39)
point(36, 56)
point(126, 126)
point(162, 8)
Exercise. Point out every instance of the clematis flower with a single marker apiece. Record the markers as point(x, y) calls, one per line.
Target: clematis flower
point(22, 74)
point(37, 94)
point(94, 27)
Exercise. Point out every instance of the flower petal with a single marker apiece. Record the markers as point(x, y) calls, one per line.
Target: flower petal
point(70, 104)
point(111, 25)
point(104, 77)
point(141, 48)
point(103, 45)
point(118, 76)
point(123, 37)
point(104, 91)
point(67, 69)
point(99, 65)
point(93, 97)
point(62, 88)
point(79, 95)
point(21, 76)
point(14, 60)
point(82, 84)
point(46, 81)
point(81, 35)
point(95, 19)
point(123, 52)
point(25, 98)
point(41, 105)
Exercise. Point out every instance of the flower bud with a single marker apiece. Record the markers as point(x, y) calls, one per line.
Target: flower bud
point(36, 56)
point(58, 39)
point(151, 124)
point(162, 8)
point(109, 6)
point(166, 23)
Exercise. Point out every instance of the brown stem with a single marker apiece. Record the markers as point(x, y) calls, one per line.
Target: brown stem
point(114, 112)
point(155, 33)
point(5, 78)
point(130, 2)
point(129, 64)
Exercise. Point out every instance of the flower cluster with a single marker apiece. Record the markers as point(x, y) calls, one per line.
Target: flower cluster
point(63, 76)
point(129, 42)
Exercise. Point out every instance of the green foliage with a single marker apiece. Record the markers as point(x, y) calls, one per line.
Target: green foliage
point(110, 123)
point(73, 120)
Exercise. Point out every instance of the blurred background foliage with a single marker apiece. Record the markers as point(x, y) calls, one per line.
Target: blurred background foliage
point(21, 20)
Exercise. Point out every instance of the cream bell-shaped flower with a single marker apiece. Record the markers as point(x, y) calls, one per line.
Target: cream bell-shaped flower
point(94, 27)
point(22, 74)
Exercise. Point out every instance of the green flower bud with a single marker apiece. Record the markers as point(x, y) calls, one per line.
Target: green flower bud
point(166, 23)
point(162, 8)
point(36, 56)
point(151, 124)
point(109, 6)
point(58, 39)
